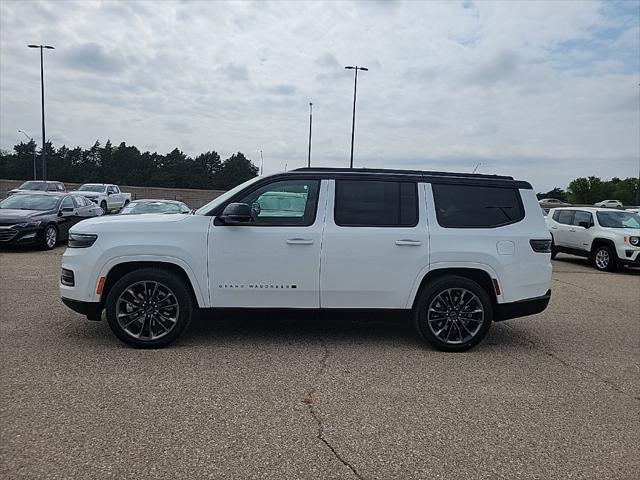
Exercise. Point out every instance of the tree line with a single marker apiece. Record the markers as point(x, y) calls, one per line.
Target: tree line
point(127, 165)
point(589, 190)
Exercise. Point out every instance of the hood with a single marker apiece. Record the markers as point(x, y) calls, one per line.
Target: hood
point(127, 222)
point(9, 216)
point(630, 232)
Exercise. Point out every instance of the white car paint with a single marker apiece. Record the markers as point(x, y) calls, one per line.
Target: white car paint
point(110, 194)
point(330, 266)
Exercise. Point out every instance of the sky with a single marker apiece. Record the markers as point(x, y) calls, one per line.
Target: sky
point(543, 91)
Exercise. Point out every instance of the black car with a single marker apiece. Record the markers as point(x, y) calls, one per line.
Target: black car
point(42, 218)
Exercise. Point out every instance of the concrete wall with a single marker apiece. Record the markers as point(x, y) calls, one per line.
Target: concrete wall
point(192, 197)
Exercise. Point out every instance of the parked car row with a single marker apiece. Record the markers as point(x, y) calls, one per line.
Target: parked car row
point(547, 203)
point(609, 238)
point(43, 218)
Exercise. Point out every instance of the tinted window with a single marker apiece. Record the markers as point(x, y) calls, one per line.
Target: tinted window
point(289, 202)
point(67, 203)
point(364, 203)
point(565, 216)
point(52, 187)
point(30, 202)
point(581, 216)
point(469, 206)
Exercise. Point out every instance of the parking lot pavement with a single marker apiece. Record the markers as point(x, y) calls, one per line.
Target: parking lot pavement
point(551, 396)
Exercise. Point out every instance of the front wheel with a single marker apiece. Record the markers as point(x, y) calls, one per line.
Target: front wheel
point(604, 259)
point(49, 237)
point(103, 206)
point(149, 308)
point(453, 314)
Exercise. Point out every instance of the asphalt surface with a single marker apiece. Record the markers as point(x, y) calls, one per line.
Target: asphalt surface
point(556, 395)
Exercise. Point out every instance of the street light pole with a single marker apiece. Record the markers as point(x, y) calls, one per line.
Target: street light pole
point(44, 151)
point(310, 122)
point(353, 121)
point(261, 163)
point(34, 151)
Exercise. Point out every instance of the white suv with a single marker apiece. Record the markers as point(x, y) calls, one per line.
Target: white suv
point(455, 251)
point(608, 237)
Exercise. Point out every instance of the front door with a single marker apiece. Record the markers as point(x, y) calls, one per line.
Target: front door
point(375, 243)
point(273, 261)
point(581, 236)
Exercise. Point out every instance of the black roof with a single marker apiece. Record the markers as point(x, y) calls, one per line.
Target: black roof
point(414, 175)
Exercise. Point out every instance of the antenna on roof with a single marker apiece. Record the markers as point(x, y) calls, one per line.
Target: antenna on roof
point(476, 168)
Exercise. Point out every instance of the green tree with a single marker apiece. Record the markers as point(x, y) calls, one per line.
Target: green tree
point(556, 193)
point(235, 170)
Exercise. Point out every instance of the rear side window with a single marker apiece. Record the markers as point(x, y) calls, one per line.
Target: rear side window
point(565, 217)
point(582, 216)
point(470, 206)
point(370, 203)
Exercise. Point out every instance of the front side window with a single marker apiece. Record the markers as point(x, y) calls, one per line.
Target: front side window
point(471, 206)
point(284, 203)
point(581, 217)
point(374, 203)
point(67, 203)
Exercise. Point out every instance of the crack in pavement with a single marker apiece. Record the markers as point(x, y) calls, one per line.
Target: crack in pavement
point(610, 305)
point(308, 401)
point(574, 367)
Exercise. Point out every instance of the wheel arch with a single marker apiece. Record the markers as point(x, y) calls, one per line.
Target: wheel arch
point(599, 242)
point(118, 270)
point(481, 276)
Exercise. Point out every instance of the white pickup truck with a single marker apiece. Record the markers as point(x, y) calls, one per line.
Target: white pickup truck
point(106, 195)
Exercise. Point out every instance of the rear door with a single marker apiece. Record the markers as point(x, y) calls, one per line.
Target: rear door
point(561, 228)
point(374, 245)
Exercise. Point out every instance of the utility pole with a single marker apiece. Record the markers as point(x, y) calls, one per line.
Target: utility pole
point(353, 121)
point(310, 122)
point(261, 164)
point(44, 150)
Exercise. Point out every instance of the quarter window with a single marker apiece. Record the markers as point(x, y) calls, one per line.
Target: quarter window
point(285, 203)
point(370, 203)
point(470, 206)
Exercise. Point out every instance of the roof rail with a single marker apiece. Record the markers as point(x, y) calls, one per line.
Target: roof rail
point(402, 172)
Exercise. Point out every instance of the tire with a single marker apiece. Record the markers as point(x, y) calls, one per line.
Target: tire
point(554, 252)
point(152, 328)
point(469, 329)
point(604, 259)
point(49, 237)
point(103, 206)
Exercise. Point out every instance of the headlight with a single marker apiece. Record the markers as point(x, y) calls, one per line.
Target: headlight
point(81, 240)
point(35, 223)
point(635, 241)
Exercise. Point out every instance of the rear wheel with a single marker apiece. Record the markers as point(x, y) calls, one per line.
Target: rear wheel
point(149, 308)
point(554, 252)
point(103, 206)
point(604, 259)
point(453, 314)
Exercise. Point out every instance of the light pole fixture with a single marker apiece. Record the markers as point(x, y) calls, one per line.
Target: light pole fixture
point(310, 122)
point(34, 151)
point(44, 150)
point(353, 121)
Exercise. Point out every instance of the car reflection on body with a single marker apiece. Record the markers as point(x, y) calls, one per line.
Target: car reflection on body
point(42, 218)
point(154, 206)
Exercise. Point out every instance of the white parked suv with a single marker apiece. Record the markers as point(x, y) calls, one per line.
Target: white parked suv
point(609, 204)
point(608, 237)
point(455, 251)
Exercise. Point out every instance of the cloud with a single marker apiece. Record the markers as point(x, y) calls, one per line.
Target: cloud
point(544, 91)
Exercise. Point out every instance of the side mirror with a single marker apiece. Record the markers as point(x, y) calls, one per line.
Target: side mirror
point(584, 224)
point(109, 193)
point(235, 213)
point(66, 212)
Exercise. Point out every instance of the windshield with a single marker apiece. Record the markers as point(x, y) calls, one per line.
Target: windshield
point(135, 208)
point(31, 202)
point(33, 186)
point(224, 197)
point(91, 188)
point(618, 219)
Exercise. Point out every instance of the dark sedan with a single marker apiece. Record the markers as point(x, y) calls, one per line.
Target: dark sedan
point(42, 218)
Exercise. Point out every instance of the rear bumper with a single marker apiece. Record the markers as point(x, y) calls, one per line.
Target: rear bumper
point(522, 308)
point(92, 310)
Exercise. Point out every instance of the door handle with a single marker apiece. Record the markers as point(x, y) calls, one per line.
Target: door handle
point(409, 243)
point(554, 228)
point(299, 241)
point(572, 229)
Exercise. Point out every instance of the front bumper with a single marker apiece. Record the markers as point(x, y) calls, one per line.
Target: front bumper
point(92, 310)
point(20, 236)
point(521, 308)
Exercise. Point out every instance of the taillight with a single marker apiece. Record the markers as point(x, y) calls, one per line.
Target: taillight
point(541, 246)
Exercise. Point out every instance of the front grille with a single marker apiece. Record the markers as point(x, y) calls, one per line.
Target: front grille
point(67, 278)
point(7, 234)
